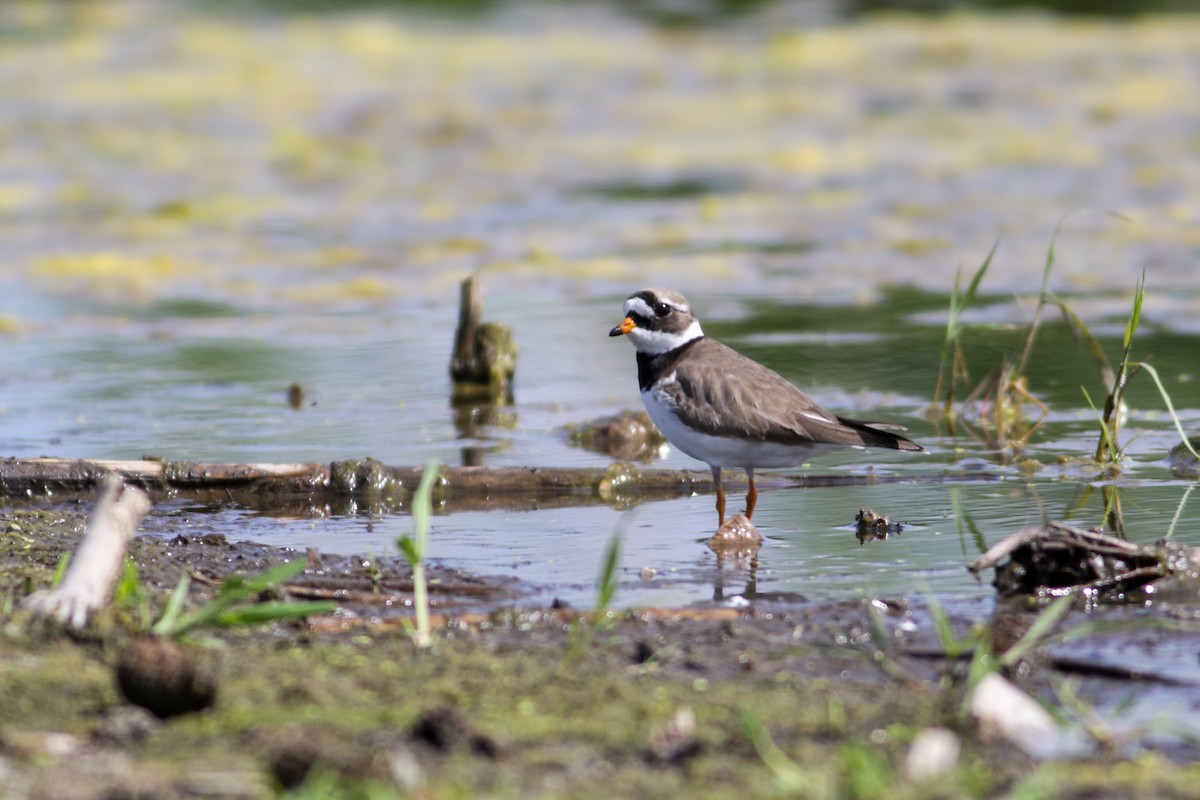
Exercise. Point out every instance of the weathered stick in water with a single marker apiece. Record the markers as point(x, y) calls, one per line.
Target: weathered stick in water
point(305, 489)
point(364, 476)
point(1058, 556)
point(97, 563)
point(485, 354)
point(1056, 534)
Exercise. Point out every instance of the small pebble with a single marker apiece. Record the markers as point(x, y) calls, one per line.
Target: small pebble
point(933, 752)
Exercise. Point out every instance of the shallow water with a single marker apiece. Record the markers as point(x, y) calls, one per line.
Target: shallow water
point(224, 400)
point(811, 552)
point(178, 251)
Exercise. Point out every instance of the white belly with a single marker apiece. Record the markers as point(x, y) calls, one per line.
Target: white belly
point(719, 451)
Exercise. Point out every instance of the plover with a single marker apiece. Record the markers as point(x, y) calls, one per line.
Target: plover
point(725, 409)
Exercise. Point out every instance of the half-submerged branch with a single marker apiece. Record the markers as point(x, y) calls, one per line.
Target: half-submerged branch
point(371, 482)
point(1058, 558)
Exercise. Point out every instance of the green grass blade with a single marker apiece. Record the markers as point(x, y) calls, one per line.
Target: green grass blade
point(234, 589)
point(866, 772)
point(964, 522)
point(1038, 632)
point(272, 612)
point(169, 620)
point(1106, 438)
point(1162, 390)
point(788, 775)
point(982, 664)
point(60, 570)
point(198, 618)
point(1043, 297)
point(607, 586)
point(408, 546)
point(424, 636)
point(415, 548)
point(879, 629)
point(269, 579)
point(130, 584)
point(1048, 267)
point(959, 301)
point(943, 628)
point(1094, 348)
point(956, 306)
point(131, 594)
point(1135, 317)
point(973, 288)
point(422, 502)
point(1179, 507)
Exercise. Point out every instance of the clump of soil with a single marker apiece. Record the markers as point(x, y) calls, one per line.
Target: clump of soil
point(444, 728)
point(294, 753)
point(165, 677)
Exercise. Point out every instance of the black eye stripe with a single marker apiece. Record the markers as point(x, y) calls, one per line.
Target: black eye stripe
point(647, 306)
point(646, 297)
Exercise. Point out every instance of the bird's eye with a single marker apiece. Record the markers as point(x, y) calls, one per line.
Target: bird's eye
point(662, 309)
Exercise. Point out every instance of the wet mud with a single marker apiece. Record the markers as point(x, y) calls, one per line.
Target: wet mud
point(516, 700)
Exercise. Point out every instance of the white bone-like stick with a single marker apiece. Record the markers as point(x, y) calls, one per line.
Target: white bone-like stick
point(98, 562)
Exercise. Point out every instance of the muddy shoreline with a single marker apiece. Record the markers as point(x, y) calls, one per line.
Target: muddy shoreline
point(508, 702)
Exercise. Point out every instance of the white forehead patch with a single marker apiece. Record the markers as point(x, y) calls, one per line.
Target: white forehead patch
point(636, 305)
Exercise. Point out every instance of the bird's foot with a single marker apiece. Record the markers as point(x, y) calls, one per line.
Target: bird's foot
point(737, 536)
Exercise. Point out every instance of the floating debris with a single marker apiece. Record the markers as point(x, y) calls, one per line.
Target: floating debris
point(295, 396)
point(1057, 558)
point(872, 527)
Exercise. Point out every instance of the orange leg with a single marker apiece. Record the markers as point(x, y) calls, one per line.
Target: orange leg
point(716, 473)
point(752, 495)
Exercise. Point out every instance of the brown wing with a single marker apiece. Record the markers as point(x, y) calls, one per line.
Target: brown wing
point(761, 405)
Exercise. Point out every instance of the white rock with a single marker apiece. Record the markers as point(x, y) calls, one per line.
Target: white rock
point(933, 752)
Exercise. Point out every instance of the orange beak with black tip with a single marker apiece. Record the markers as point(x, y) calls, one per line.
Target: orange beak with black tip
point(626, 326)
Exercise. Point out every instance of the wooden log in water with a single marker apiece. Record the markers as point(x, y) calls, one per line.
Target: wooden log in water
point(361, 477)
point(309, 490)
point(40, 476)
point(485, 355)
point(47, 475)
